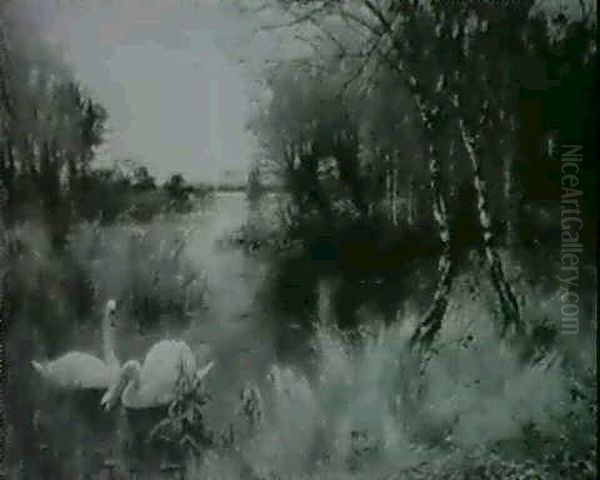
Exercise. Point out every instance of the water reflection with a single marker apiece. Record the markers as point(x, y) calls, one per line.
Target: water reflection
point(148, 268)
point(313, 400)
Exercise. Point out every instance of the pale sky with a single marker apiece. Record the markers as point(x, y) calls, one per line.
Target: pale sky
point(176, 97)
point(166, 70)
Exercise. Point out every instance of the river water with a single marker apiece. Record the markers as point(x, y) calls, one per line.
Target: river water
point(330, 408)
point(227, 318)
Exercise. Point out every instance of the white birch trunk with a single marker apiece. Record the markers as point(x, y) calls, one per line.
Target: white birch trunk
point(388, 193)
point(411, 201)
point(395, 197)
point(508, 301)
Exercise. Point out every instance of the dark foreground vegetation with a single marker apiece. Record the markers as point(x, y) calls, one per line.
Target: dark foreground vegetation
point(417, 250)
point(413, 132)
point(423, 143)
point(57, 199)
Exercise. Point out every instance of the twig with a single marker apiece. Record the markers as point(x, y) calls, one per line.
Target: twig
point(296, 21)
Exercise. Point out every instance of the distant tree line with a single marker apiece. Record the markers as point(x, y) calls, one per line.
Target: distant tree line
point(49, 126)
point(51, 129)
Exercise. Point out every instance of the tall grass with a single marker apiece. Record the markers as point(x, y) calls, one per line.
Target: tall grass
point(371, 409)
point(359, 405)
point(56, 298)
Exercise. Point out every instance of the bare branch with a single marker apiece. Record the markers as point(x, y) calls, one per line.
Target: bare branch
point(297, 20)
point(378, 14)
point(303, 38)
point(330, 36)
point(359, 71)
point(347, 15)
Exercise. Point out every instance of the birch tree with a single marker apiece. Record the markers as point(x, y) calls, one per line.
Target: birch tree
point(428, 48)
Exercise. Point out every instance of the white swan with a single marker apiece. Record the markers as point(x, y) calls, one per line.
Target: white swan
point(153, 383)
point(78, 370)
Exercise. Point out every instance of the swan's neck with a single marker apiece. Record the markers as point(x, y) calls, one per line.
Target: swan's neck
point(133, 375)
point(130, 397)
point(126, 385)
point(132, 388)
point(108, 340)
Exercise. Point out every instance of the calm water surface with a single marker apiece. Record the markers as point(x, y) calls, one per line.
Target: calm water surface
point(71, 429)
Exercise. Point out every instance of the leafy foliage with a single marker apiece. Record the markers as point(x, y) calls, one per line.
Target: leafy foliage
point(178, 191)
point(356, 113)
point(185, 425)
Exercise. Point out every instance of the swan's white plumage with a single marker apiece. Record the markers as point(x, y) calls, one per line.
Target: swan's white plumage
point(164, 361)
point(79, 370)
point(154, 383)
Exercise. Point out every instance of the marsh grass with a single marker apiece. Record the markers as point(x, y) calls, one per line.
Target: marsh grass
point(478, 409)
point(184, 428)
point(56, 299)
point(356, 406)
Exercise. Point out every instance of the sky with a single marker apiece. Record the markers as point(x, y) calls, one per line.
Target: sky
point(169, 74)
point(166, 70)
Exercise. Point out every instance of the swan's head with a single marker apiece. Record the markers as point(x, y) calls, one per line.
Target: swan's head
point(110, 312)
point(129, 375)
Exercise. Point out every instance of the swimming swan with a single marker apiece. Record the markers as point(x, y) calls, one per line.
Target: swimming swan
point(78, 370)
point(153, 383)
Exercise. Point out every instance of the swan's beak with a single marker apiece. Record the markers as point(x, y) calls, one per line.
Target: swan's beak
point(105, 402)
point(200, 374)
